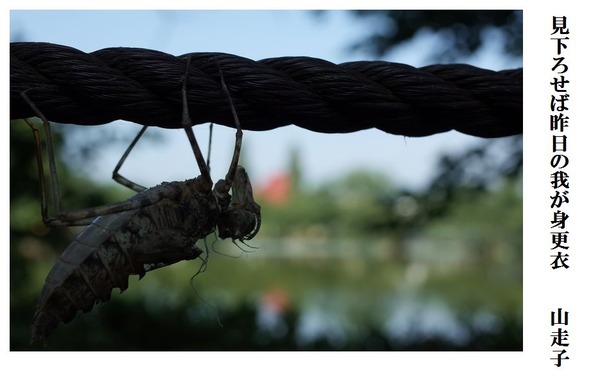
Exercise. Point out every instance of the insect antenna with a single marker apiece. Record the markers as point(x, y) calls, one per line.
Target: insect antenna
point(235, 242)
point(212, 308)
point(201, 269)
point(249, 246)
point(212, 246)
point(223, 253)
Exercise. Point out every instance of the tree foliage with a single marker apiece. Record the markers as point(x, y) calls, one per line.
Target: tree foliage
point(462, 33)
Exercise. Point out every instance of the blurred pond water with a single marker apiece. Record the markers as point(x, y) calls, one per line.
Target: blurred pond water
point(311, 302)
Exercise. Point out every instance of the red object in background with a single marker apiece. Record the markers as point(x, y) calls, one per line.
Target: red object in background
point(277, 190)
point(275, 299)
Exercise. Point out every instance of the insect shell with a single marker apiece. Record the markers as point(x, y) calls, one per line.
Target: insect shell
point(117, 245)
point(162, 230)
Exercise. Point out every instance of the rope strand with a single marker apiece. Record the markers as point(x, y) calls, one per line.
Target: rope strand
point(144, 86)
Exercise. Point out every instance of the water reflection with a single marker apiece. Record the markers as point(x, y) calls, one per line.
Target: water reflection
point(417, 320)
point(270, 311)
point(314, 325)
point(339, 303)
point(323, 305)
point(410, 320)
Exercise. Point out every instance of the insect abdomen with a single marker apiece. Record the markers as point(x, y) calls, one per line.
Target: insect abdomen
point(115, 246)
point(85, 274)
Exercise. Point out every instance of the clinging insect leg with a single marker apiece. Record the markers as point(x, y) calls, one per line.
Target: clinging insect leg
point(210, 134)
point(56, 199)
point(223, 186)
point(40, 167)
point(187, 125)
point(240, 218)
point(117, 176)
point(51, 162)
point(238, 136)
point(83, 216)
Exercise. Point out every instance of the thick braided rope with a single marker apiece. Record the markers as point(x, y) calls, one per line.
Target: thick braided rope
point(145, 86)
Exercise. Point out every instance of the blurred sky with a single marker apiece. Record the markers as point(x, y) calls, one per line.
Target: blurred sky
point(408, 162)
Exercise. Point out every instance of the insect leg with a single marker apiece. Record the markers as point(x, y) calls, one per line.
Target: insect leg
point(40, 167)
point(223, 186)
point(186, 121)
point(56, 199)
point(187, 125)
point(238, 136)
point(77, 217)
point(117, 176)
point(210, 134)
point(240, 218)
point(151, 196)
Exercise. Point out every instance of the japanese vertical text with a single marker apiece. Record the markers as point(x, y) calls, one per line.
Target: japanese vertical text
point(559, 180)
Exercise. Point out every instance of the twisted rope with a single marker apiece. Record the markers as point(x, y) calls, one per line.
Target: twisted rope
point(144, 86)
